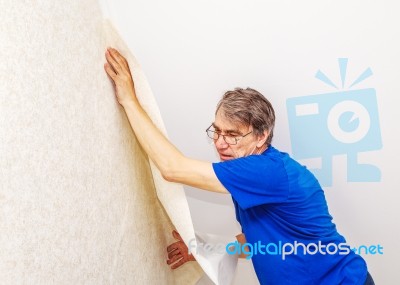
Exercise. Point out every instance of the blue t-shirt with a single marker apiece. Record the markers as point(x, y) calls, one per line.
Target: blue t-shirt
point(281, 206)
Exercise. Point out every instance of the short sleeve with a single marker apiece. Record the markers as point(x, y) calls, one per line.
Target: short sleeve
point(254, 180)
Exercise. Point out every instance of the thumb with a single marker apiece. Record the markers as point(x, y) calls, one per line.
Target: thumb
point(176, 235)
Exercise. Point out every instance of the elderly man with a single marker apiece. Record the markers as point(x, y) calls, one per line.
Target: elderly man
point(277, 201)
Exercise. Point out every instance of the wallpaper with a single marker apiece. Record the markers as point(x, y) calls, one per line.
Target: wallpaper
point(78, 196)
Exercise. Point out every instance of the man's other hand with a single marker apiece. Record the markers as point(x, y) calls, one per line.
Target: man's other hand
point(178, 252)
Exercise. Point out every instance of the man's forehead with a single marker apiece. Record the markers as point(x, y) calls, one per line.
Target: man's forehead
point(225, 124)
point(229, 127)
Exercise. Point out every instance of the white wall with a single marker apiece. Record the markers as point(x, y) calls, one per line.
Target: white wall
point(192, 51)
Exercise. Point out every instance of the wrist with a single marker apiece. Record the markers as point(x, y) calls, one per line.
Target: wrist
point(131, 103)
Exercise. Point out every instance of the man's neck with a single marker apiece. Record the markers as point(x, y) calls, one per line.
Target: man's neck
point(261, 149)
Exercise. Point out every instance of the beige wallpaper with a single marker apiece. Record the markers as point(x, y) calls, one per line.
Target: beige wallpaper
point(77, 194)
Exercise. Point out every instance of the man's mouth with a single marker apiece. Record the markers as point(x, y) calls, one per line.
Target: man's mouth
point(224, 156)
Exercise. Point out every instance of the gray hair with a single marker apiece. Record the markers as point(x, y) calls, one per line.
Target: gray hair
point(251, 108)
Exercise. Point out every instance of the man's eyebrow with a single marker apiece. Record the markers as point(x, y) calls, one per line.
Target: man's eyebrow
point(226, 131)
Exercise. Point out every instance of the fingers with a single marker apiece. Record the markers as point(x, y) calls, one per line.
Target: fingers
point(110, 71)
point(174, 253)
point(177, 245)
point(173, 246)
point(118, 58)
point(181, 260)
point(173, 259)
point(179, 263)
point(113, 63)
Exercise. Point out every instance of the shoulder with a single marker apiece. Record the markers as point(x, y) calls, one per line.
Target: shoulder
point(298, 175)
point(270, 164)
point(256, 179)
point(270, 155)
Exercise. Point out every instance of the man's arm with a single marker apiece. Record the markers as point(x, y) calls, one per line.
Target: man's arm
point(173, 165)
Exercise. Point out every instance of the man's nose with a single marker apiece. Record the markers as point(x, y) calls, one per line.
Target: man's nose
point(220, 142)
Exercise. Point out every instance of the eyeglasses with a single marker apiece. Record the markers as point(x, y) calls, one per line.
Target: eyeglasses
point(229, 139)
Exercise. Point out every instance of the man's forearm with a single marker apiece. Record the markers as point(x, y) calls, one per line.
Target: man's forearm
point(163, 153)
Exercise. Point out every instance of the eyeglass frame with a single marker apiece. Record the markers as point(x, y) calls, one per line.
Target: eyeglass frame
point(237, 138)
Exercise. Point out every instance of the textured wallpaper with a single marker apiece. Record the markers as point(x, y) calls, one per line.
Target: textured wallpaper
point(78, 202)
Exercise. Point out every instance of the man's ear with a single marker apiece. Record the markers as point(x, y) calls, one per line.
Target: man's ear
point(262, 138)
